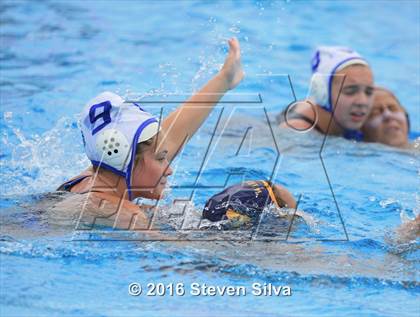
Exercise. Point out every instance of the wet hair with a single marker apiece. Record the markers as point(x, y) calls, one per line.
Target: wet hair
point(399, 103)
point(142, 147)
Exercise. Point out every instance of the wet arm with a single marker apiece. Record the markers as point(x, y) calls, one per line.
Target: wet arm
point(181, 124)
point(284, 197)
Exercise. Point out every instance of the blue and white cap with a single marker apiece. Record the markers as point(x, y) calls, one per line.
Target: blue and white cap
point(327, 61)
point(111, 129)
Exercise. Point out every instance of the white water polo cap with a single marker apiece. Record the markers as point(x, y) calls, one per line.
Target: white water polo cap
point(111, 129)
point(325, 63)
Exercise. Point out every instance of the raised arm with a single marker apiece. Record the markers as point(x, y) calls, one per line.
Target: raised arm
point(181, 124)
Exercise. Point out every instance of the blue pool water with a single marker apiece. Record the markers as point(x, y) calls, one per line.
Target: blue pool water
point(56, 55)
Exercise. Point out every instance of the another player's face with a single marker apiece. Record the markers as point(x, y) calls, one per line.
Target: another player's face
point(387, 122)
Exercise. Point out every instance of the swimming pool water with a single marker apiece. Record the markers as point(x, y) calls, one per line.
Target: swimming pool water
point(56, 55)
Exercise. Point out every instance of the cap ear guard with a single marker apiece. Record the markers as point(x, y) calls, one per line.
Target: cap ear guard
point(113, 148)
point(319, 90)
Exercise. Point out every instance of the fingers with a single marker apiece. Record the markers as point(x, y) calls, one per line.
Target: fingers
point(234, 46)
point(231, 46)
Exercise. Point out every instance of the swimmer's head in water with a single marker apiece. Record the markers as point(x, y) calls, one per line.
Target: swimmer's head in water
point(111, 130)
point(343, 81)
point(388, 121)
point(244, 202)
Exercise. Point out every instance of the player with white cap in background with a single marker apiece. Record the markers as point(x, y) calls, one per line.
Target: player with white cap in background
point(340, 97)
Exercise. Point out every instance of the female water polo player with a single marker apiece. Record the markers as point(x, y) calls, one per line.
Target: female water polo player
point(131, 152)
point(388, 122)
point(341, 90)
point(247, 201)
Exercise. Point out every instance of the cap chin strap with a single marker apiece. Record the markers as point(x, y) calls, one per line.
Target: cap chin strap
point(353, 135)
point(133, 153)
point(350, 134)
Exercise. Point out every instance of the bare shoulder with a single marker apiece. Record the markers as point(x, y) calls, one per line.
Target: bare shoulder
point(300, 115)
point(96, 208)
point(297, 124)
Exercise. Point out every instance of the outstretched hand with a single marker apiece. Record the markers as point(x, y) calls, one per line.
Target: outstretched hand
point(232, 68)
